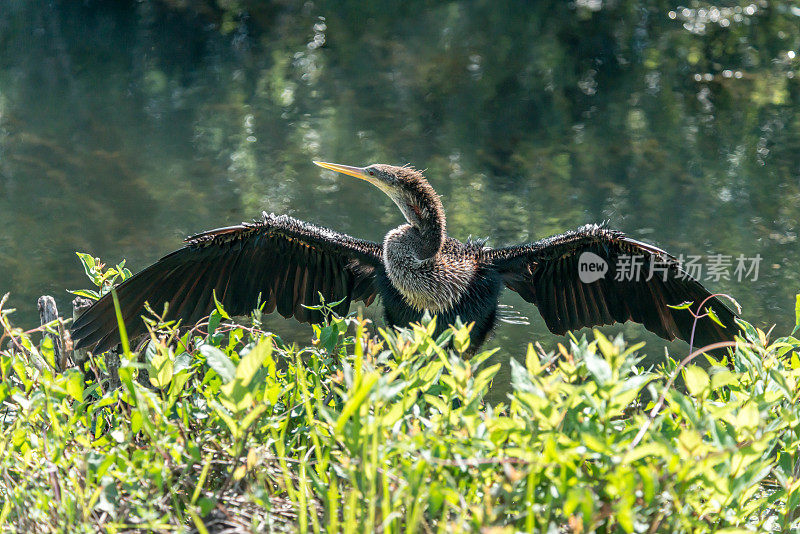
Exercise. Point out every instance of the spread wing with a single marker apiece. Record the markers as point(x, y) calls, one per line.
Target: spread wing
point(548, 274)
point(284, 261)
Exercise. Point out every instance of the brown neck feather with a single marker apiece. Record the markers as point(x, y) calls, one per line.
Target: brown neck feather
point(424, 211)
point(432, 228)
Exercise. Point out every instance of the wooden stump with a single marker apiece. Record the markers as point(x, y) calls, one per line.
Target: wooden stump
point(112, 364)
point(48, 312)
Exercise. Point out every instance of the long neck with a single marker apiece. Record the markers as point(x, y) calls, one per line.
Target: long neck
point(425, 214)
point(432, 229)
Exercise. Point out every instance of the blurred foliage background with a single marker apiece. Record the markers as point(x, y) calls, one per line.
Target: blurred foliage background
point(125, 126)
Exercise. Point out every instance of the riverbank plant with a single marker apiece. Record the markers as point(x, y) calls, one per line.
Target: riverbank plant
point(369, 430)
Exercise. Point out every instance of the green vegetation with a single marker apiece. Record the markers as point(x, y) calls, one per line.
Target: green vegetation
point(360, 432)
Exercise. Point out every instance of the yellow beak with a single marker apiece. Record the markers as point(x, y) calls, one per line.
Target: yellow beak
point(358, 172)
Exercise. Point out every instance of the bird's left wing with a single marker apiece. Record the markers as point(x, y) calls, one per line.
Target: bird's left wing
point(595, 276)
point(283, 261)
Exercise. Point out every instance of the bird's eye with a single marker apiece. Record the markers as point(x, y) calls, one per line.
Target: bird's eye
point(372, 173)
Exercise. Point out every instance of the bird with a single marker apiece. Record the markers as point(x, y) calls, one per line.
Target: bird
point(289, 265)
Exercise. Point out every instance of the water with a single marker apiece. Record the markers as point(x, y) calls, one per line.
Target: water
point(126, 126)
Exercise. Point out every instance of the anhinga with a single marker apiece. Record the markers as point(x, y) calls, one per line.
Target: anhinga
point(287, 263)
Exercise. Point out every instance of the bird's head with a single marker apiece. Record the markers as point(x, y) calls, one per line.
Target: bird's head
point(408, 188)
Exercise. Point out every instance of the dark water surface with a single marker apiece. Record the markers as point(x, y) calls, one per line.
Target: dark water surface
point(125, 126)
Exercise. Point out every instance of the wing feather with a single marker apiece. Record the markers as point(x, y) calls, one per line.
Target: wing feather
point(546, 273)
point(285, 261)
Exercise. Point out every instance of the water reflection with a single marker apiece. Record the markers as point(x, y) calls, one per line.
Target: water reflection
point(125, 126)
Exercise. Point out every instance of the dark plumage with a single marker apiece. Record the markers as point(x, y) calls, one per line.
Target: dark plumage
point(418, 268)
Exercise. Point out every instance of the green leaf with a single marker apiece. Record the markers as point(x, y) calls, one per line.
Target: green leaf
point(749, 331)
point(748, 416)
point(88, 262)
point(218, 306)
point(356, 400)
point(179, 380)
point(236, 397)
point(444, 337)
point(219, 362)
point(251, 417)
point(161, 365)
point(713, 316)
point(136, 421)
point(123, 331)
point(485, 376)
point(461, 337)
point(696, 380)
point(75, 384)
point(637, 382)
point(47, 351)
point(222, 413)
point(606, 347)
point(482, 356)
point(206, 505)
point(532, 361)
point(682, 306)
point(86, 293)
point(723, 378)
point(796, 313)
point(598, 367)
point(213, 322)
point(328, 337)
point(253, 360)
point(648, 449)
point(182, 361)
point(520, 379)
point(340, 324)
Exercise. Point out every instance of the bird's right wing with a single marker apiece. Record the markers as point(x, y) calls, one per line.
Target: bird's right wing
point(283, 261)
point(548, 274)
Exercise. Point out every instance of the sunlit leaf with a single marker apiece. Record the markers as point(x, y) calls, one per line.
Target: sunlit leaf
point(86, 293)
point(598, 367)
point(252, 361)
point(713, 316)
point(182, 361)
point(723, 378)
point(748, 416)
point(213, 322)
point(219, 362)
point(796, 314)
point(75, 384)
point(218, 306)
point(696, 380)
